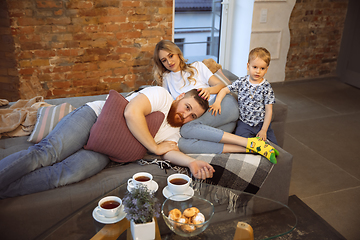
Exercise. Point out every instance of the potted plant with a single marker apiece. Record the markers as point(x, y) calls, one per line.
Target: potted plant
point(141, 206)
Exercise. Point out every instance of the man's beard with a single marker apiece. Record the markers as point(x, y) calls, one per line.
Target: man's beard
point(174, 122)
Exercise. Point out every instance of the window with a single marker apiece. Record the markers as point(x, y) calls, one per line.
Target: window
point(212, 47)
point(180, 43)
point(197, 28)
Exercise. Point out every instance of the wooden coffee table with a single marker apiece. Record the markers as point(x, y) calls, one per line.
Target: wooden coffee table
point(268, 218)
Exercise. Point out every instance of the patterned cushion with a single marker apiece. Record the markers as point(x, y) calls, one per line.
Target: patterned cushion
point(47, 118)
point(111, 136)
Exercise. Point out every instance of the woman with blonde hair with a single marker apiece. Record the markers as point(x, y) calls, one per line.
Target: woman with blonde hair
point(171, 71)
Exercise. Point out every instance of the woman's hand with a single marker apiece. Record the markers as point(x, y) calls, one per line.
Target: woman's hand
point(215, 108)
point(201, 169)
point(165, 147)
point(204, 93)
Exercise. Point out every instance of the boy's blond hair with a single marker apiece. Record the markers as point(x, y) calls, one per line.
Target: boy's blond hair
point(261, 53)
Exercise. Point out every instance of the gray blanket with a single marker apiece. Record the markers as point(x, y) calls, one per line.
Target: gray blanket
point(243, 172)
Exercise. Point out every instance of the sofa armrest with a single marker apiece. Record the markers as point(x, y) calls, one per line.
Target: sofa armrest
point(277, 184)
point(278, 121)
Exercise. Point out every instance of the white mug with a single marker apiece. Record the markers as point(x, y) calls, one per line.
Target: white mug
point(178, 183)
point(109, 206)
point(143, 178)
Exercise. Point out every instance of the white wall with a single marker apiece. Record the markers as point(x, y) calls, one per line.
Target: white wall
point(255, 23)
point(235, 35)
point(244, 26)
point(270, 29)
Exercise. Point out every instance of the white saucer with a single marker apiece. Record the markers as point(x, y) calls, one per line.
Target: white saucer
point(153, 187)
point(190, 192)
point(106, 220)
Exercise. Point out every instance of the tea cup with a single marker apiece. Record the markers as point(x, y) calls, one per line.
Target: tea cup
point(178, 183)
point(140, 178)
point(109, 206)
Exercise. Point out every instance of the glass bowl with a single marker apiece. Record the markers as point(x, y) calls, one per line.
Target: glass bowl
point(182, 202)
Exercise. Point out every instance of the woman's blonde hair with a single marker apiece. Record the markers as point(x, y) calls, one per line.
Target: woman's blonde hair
point(159, 69)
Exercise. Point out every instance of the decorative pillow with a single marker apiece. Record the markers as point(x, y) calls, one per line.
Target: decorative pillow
point(212, 65)
point(47, 118)
point(111, 136)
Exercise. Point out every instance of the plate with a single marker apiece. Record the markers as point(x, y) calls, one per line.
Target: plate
point(154, 186)
point(166, 192)
point(106, 220)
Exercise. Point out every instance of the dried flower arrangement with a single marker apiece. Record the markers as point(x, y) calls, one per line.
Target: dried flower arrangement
point(141, 205)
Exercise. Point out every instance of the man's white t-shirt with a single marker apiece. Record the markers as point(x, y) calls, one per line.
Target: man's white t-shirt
point(160, 100)
point(177, 82)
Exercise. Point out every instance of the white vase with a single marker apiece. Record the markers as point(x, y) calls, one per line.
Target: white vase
point(143, 231)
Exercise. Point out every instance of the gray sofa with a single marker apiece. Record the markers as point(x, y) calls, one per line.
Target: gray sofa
point(26, 217)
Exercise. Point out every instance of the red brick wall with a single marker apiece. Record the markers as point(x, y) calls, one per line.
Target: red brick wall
point(86, 47)
point(9, 80)
point(62, 48)
point(316, 28)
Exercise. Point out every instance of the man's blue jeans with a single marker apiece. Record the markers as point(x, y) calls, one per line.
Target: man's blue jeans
point(57, 160)
point(203, 135)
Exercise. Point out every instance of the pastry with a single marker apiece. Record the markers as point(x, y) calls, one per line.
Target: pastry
point(198, 218)
point(187, 218)
point(188, 228)
point(189, 212)
point(182, 220)
point(174, 214)
point(196, 210)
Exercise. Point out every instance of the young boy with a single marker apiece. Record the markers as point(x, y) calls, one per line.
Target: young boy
point(255, 98)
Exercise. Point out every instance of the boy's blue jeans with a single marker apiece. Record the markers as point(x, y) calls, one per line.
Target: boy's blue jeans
point(57, 160)
point(203, 135)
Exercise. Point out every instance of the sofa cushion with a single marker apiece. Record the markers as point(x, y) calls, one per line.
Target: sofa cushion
point(111, 136)
point(47, 118)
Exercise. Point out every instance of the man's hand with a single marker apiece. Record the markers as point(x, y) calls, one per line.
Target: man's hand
point(165, 147)
point(201, 169)
point(215, 108)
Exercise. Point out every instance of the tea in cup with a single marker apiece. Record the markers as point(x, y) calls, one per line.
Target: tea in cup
point(143, 178)
point(109, 206)
point(178, 183)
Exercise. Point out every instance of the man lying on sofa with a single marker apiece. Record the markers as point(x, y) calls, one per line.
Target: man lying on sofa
point(71, 153)
point(60, 158)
